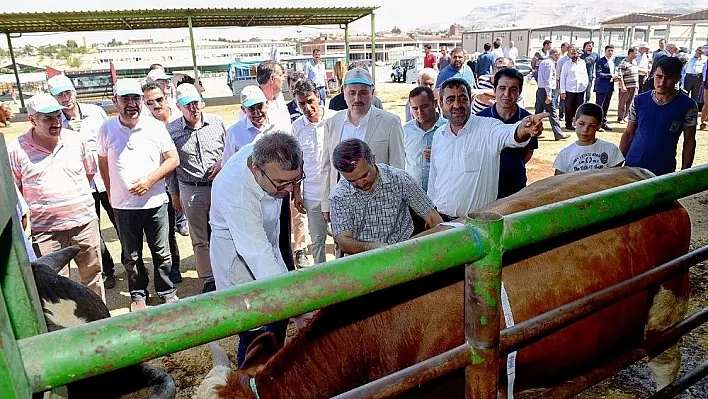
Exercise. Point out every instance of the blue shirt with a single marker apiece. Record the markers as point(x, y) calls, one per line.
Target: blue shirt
point(658, 129)
point(590, 60)
point(414, 141)
point(449, 72)
point(512, 168)
point(485, 64)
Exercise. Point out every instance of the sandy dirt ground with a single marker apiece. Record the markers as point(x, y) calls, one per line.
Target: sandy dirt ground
point(190, 366)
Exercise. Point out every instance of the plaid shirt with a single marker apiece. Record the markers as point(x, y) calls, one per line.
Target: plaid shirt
point(383, 215)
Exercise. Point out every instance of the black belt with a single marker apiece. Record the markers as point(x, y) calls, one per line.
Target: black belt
point(695, 74)
point(196, 183)
point(320, 87)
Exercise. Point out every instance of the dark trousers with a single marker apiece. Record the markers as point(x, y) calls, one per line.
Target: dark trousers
point(154, 222)
point(172, 237)
point(603, 100)
point(588, 91)
point(541, 106)
point(101, 199)
point(284, 242)
point(572, 103)
point(692, 85)
point(245, 338)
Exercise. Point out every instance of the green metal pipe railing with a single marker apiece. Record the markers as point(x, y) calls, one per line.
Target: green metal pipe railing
point(128, 339)
point(550, 221)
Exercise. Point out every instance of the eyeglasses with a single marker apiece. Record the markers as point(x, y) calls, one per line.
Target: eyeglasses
point(280, 187)
point(129, 98)
point(158, 100)
point(195, 105)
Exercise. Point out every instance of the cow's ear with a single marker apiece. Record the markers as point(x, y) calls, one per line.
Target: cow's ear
point(259, 352)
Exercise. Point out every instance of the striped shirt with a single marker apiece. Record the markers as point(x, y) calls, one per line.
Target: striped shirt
point(54, 183)
point(630, 73)
point(198, 150)
point(484, 82)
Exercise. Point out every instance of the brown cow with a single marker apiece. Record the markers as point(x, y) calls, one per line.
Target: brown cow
point(359, 341)
point(5, 114)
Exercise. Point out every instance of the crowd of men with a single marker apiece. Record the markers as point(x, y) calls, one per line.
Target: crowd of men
point(256, 192)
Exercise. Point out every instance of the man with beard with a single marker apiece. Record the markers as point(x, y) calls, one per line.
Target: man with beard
point(456, 69)
point(155, 100)
point(199, 139)
point(245, 217)
point(370, 205)
point(86, 119)
point(134, 156)
point(464, 167)
point(656, 120)
point(573, 85)
point(52, 168)
point(508, 83)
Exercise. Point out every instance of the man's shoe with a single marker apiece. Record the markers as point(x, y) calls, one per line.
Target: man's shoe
point(570, 128)
point(109, 281)
point(175, 276)
point(606, 128)
point(562, 137)
point(182, 229)
point(208, 286)
point(301, 259)
point(137, 305)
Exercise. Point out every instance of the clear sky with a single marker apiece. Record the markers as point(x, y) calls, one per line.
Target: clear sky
point(399, 13)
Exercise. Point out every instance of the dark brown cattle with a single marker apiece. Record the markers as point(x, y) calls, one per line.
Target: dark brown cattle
point(362, 340)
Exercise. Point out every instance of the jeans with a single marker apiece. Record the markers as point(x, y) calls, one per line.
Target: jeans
point(588, 91)
point(323, 94)
point(603, 100)
point(154, 222)
point(245, 338)
point(541, 106)
point(318, 230)
point(101, 199)
point(172, 238)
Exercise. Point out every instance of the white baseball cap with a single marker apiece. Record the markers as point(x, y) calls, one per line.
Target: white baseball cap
point(127, 86)
point(59, 83)
point(187, 93)
point(251, 95)
point(42, 103)
point(157, 74)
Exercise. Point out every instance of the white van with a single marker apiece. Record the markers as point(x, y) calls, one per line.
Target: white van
point(409, 68)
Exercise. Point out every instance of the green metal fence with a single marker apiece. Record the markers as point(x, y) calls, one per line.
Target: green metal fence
point(31, 362)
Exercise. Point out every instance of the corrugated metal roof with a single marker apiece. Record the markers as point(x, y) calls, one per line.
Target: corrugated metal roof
point(177, 18)
point(535, 28)
point(639, 18)
point(698, 16)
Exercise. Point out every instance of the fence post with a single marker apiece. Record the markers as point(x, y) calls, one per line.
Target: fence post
point(482, 311)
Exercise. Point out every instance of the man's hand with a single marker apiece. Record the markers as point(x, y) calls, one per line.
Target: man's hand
point(299, 203)
point(563, 96)
point(533, 125)
point(214, 170)
point(176, 202)
point(326, 217)
point(548, 100)
point(426, 154)
point(141, 186)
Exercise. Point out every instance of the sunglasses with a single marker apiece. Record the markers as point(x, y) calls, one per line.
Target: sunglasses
point(280, 187)
point(130, 98)
point(158, 100)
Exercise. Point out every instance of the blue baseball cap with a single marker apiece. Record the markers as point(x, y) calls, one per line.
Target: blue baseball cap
point(187, 93)
point(358, 75)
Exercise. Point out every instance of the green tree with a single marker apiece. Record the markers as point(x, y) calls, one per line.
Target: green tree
point(74, 62)
point(71, 44)
point(28, 49)
point(396, 30)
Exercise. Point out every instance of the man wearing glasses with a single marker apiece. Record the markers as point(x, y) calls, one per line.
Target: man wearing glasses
point(247, 197)
point(156, 101)
point(134, 155)
point(199, 139)
point(369, 207)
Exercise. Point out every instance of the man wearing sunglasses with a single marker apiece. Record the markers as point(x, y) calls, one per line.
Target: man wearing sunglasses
point(86, 119)
point(134, 155)
point(156, 101)
point(370, 204)
point(199, 138)
point(247, 196)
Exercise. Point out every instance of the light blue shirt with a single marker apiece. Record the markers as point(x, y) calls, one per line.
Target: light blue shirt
point(695, 65)
point(414, 141)
point(239, 134)
point(547, 75)
point(449, 72)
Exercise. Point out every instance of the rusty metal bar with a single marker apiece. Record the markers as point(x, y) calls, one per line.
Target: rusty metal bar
point(683, 383)
point(483, 310)
point(536, 328)
point(412, 376)
point(117, 342)
point(652, 346)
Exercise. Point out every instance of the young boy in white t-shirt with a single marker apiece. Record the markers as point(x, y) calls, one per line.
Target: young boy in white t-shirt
point(588, 152)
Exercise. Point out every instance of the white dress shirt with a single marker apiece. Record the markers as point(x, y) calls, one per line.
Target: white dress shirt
point(547, 75)
point(574, 77)
point(559, 65)
point(316, 73)
point(90, 119)
point(278, 114)
point(245, 225)
point(311, 139)
point(240, 134)
point(414, 141)
point(464, 168)
point(351, 131)
point(643, 63)
point(511, 52)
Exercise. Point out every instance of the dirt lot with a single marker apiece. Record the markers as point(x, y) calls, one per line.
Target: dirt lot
point(188, 367)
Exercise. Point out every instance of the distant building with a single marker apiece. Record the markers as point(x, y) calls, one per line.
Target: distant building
point(456, 30)
point(685, 30)
point(528, 40)
point(388, 49)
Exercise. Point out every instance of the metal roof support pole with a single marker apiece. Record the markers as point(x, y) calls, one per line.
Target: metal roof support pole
point(17, 72)
point(373, 47)
point(668, 33)
point(346, 43)
point(693, 37)
point(194, 50)
point(625, 39)
point(631, 37)
point(599, 39)
point(646, 34)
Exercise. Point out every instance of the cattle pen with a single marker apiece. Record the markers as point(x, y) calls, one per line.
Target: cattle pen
point(31, 361)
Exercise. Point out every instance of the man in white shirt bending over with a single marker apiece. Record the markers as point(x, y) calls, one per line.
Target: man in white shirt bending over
point(464, 167)
point(247, 196)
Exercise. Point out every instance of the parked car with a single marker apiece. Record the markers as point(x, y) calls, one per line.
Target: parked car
point(406, 69)
point(523, 65)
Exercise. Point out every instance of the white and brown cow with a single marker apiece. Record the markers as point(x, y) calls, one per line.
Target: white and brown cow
point(67, 303)
point(359, 341)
